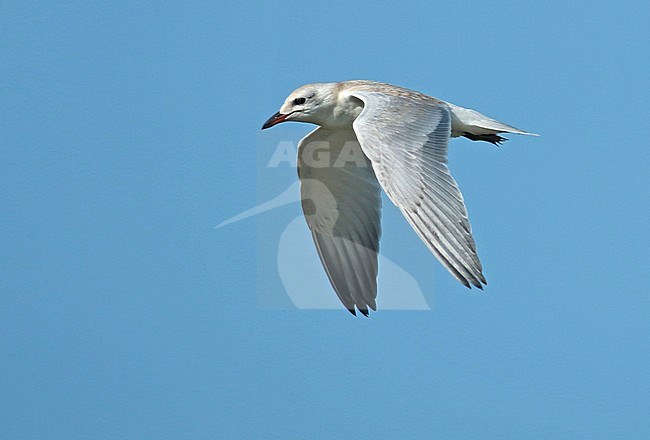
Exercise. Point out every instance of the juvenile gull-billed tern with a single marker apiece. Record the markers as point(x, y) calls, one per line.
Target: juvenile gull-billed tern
point(379, 135)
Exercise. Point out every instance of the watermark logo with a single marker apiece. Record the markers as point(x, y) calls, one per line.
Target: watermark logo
point(288, 262)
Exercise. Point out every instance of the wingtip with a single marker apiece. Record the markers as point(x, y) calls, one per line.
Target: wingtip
point(479, 283)
point(476, 283)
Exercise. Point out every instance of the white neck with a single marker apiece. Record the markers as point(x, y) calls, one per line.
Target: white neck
point(342, 113)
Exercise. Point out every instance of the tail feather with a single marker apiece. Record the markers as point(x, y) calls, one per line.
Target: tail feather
point(476, 126)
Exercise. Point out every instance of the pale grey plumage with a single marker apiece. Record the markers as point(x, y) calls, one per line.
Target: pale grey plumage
point(409, 155)
point(400, 138)
point(342, 205)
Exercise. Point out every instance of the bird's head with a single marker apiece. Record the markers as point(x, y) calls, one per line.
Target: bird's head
point(312, 103)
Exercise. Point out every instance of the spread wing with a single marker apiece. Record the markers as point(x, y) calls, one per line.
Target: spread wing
point(341, 200)
point(406, 138)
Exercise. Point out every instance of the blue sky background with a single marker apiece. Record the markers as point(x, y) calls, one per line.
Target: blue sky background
point(129, 130)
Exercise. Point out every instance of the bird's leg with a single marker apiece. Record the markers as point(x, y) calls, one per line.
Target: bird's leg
point(492, 138)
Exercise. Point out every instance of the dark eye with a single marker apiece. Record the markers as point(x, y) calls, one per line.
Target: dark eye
point(299, 101)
